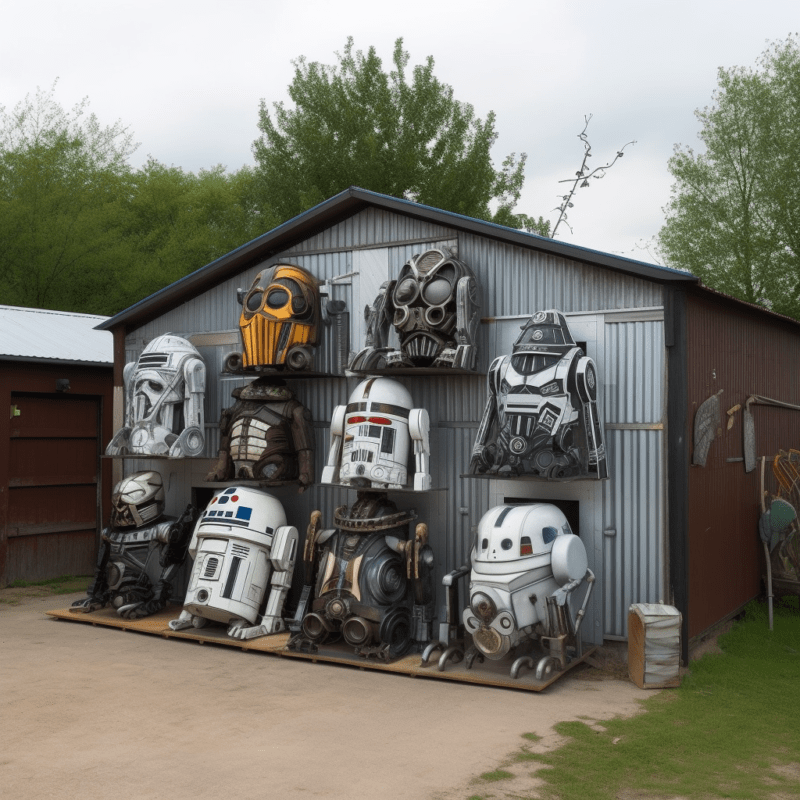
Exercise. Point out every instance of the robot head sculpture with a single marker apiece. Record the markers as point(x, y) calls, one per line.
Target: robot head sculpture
point(279, 322)
point(541, 418)
point(267, 435)
point(433, 306)
point(140, 552)
point(373, 585)
point(243, 551)
point(164, 391)
point(137, 500)
point(525, 563)
point(371, 438)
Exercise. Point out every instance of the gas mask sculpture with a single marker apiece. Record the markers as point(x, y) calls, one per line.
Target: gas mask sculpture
point(242, 550)
point(371, 584)
point(541, 417)
point(280, 321)
point(370, 438)
point(433, 305)
point(141, 550)
point(267, 435)
point(164, 393)
point(526, 562)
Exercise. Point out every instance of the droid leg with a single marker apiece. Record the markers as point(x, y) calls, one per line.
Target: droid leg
point(282, 557)
point(97, 592)
point(419, 427)
point(187, 620)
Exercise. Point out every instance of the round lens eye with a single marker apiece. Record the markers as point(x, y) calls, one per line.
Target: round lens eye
point(406, 291)
point(506, 544)
point(437, 291)
point(155, 386)
point(277, 298)
point(254, 301)
point(298, 305)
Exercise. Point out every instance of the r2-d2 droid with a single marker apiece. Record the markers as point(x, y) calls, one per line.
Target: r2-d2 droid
point(433, 306)
point(164, 391)
point(541, 417)
point(242, 549)
point(370, 439)
point(526, 563)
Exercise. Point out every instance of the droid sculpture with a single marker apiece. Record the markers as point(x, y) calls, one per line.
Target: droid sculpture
point(433, 306)
point(164, 391)
point(541, 417)
point(279, 323)
point(267, 435)
point(366, 581)
point(141, 551)
point(244, 554)
point(526, 563)
point(371, 437)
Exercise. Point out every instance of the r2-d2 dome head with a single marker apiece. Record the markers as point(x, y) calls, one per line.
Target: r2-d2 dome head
point(376, 434)
point(280, 318)
point(522, 555)
point(137, 500)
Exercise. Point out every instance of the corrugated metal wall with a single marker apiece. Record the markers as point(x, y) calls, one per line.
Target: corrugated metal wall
point(514, 283)
point(733, 350)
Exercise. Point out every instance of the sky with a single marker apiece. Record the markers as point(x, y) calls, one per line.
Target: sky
point(187, 77)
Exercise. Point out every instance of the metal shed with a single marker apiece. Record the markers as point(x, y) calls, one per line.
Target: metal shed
point(56, 379)
point(637, 321)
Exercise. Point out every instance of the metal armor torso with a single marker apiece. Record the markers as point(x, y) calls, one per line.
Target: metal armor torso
point(259, 431)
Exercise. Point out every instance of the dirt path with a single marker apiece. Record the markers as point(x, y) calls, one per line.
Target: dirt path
point(94, 712)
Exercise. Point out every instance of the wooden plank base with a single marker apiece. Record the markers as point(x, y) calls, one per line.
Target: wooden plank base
point(488, 673)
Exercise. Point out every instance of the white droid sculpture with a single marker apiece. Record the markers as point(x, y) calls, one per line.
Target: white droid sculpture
point(370, 439)
point(164, 391)
point(242, 549)
point(526, 562)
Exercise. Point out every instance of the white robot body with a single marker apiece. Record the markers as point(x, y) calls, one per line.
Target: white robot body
point(522, 556)
point(242, 548)
point(371, 438)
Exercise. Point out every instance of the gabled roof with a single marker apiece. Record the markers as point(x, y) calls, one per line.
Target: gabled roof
point(64, 337)
point(346, 204)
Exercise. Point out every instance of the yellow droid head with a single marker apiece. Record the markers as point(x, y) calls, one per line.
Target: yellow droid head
point(280, 318)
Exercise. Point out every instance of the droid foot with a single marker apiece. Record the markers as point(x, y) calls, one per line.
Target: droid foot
point(86, 605)
point(471, 655)
point(453, 653)
point(429, 651)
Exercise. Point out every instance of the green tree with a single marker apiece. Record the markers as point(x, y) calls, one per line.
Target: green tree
point(734, 216)
point(355, 124)
point(62, 179)
point(177, 221)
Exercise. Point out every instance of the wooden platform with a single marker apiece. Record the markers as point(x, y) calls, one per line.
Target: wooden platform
point(489, 673)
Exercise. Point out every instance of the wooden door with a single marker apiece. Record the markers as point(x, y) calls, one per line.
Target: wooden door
point(53, 500)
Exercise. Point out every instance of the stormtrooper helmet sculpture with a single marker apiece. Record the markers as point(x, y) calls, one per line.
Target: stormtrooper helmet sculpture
point(243, 550)
point(280, 321)
point(433, 307)
point(541, 417)
point(371, 438)
point(164, 391)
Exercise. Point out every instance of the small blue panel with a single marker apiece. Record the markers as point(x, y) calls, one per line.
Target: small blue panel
point(243, 512)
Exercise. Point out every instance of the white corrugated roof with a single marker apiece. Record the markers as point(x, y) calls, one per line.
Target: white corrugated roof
point(33, 333)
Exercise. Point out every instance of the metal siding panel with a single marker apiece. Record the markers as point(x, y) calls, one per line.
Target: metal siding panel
point(633, 507)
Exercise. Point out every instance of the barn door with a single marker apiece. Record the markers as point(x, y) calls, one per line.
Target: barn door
point(54, 471)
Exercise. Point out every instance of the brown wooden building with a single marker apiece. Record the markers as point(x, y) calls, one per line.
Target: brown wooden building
point(56, 381)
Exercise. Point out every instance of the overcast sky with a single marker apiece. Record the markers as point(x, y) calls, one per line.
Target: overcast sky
point(187, 77)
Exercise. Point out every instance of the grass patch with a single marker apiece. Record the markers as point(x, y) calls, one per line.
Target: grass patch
point(496, 775)
point(532, 737)
point(18, 591)
point(731, 730)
